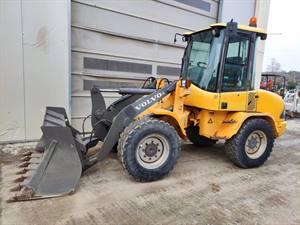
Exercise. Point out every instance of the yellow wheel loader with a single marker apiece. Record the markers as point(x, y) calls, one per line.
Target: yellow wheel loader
point(213, 99)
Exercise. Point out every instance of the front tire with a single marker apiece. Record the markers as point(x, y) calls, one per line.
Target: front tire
point(148, 149)
point(252, 145)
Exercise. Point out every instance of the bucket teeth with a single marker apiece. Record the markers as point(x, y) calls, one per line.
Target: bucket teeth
point(26, 194)
point(23, 171)
point(17, 188)
point(24, 164)
point(20, 179)
point(25, 158)
point(27, 154)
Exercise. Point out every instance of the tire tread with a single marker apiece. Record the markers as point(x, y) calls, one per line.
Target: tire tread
point(128, 134)
point(233, 145)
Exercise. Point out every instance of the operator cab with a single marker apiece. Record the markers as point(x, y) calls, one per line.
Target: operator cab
point(221, 58)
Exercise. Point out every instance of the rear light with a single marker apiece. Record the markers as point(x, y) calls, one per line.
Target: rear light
point(282, 115)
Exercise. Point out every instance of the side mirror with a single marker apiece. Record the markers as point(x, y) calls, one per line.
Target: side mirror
point(263, 36)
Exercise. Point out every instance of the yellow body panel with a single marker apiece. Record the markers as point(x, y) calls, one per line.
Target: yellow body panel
point(273, 104)
point(210, 122)
point(202, 99)
point(193, 106)
point(234, 101)
point(269, 102)
point(234, 120)
point(172, 109)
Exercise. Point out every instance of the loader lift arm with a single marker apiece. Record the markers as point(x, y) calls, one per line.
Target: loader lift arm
point(65, 150)
point(125, 117)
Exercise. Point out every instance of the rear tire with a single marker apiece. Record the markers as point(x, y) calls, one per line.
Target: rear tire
point(252, 145)
point(148, 149)
point(198, 140)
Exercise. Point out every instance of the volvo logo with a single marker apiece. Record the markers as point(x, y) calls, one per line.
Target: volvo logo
point(149, 101)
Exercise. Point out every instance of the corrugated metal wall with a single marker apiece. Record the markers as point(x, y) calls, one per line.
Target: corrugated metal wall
point(121, 43)
point(114, 43)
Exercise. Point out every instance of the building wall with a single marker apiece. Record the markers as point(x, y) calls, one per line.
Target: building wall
point(239, 11)
point(262, 9)
point(12, 118)
point(121, 43)
point(242, 11)
point(34, 64)
point(114, 43)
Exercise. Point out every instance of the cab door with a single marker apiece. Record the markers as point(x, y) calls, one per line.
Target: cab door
point(236, 77)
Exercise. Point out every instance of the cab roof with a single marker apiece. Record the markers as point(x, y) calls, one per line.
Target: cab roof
point(240, 27)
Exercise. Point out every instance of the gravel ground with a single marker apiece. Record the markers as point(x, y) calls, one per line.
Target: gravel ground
point(204, 188)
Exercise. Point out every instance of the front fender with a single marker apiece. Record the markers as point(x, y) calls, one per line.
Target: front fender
point(178, 121)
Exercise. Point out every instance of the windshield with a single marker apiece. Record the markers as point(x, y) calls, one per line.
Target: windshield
point(200, 62)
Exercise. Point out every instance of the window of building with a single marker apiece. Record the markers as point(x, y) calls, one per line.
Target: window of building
point(200, 4)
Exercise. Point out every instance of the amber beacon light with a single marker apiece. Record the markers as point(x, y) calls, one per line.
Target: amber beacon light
point(253, 22)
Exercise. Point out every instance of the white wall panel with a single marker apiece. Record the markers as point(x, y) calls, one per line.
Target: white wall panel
point(12, 123)
point(46, 60)
point(158, 11)
point(137, 32)
point(104, 20)
point(262, 14)
point(34, 65)
point(90, 40)
point(238, 10)
point(82, 106)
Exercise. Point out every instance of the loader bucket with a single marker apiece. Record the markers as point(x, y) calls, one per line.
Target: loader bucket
point(60, 168)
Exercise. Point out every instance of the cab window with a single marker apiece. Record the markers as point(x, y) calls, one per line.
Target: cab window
point(201, 59)
point(236, 64)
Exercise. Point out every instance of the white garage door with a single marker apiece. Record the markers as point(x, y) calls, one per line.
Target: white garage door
point(119, 43)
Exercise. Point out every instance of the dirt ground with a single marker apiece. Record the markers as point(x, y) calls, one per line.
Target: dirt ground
point(204, 188)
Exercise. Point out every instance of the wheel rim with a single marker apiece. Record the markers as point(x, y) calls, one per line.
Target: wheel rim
point(256, 144)
point(152, 151)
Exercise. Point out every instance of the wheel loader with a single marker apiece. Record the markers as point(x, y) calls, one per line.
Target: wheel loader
point(213, 99)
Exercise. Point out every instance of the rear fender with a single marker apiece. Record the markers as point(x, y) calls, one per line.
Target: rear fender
point(234, 121)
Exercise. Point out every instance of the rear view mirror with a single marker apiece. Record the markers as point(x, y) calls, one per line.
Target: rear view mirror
point(263, 36)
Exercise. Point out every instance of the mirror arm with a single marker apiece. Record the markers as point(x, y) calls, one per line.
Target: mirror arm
point(178, 34)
